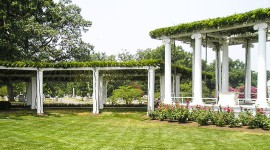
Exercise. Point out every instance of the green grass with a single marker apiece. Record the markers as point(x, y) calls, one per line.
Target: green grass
point(114, 129)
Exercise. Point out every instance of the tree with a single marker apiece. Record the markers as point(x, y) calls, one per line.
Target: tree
point(42, 30)
point(125, 56)
point(127, 93)
point(3, 91)
point(179, 55)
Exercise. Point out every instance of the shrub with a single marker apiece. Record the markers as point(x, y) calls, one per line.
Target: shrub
point(252, 123)
point(171, 113)
point(182, 113)
point(162, 112)
point(153, 115)
point(202, 115)
point(245, 117)
point(261, 120)
point(203, 118)
point(5, 105)
point(241, 89)
point(234, 122)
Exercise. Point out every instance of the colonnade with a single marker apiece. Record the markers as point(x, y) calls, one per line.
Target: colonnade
point(222, 70)
point(35, 90)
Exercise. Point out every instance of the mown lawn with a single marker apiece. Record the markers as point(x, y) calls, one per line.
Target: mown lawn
point(112, 129)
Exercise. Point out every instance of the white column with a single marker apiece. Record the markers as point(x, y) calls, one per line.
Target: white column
point(39, 91)
point(101, 92)
point(192, 45)
point(34, 92)
point(248, 47)
point(168, 72)
point(261, 94)
point(95, 91)
point(29, 93)
point(73, 93)
point(162, 88)
point(177, 87)
point(225, 67)
point(151, 89)
point(197, 99)
point(217, 70)
point(105, 85)
point(173, 88)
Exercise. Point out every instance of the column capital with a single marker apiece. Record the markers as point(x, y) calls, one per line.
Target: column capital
point(197, 36)
point(225, 41)
point(260, 26)
point(217, 47)
point(166, 40)
point(247, 45)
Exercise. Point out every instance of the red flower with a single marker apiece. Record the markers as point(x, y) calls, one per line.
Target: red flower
point(228, 109)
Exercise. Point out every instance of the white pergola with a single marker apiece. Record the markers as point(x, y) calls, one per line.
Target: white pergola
point(35, 85)
point(220, 35)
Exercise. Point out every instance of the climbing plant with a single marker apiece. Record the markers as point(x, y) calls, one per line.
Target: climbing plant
point(253, 16)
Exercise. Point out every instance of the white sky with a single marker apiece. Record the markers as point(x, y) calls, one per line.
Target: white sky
point(125, 24)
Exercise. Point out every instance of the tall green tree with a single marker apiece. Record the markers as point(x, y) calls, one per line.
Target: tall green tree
point(41, 30)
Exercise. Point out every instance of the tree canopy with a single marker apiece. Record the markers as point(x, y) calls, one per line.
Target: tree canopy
point(42, 30)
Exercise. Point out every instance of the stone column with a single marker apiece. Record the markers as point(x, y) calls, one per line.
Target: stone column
point(168, 72)
point(261, 94)
point(217, 70)
point(29, 93)
point(197, 99)
point(105, 85)
point(151, 89)
point(39, 91)
point(225, 67)
point(100, 100)
point(192, 45)
point(162, 88)
point(73, 93)
point(34, 92)
point(95, 91)
point(173, 88)
point(248, 47)
point(177, 87)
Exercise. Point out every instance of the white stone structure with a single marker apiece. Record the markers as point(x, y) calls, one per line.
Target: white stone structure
point(220, 36)
point(168, 72)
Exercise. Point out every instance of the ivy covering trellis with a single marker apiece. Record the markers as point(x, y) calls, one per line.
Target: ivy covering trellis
point(149, 62)
point(183, 71)
point(251, 17)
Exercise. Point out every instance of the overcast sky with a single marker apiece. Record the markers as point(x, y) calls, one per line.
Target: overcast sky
point(125, 24)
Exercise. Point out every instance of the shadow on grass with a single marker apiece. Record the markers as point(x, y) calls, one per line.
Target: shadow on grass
point(16, 114)
point(19, 114)
point(123, 109)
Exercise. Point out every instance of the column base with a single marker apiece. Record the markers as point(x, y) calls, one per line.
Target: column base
point(196, 104)
point(167, 102)
point(262, 105)
point(41, 114)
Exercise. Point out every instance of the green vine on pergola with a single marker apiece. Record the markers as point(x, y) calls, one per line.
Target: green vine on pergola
point(245, 21)
point(74, 64)
point(183, 71)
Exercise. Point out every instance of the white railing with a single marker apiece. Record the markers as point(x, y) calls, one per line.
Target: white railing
point(182, 99)
point(239, 100)
point(213, 99)
point(244, 100)
point(190, 98)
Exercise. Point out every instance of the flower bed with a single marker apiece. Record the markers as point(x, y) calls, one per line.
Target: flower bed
point(207, 116)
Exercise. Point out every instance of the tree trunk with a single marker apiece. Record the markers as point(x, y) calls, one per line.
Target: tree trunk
point(10, 92)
